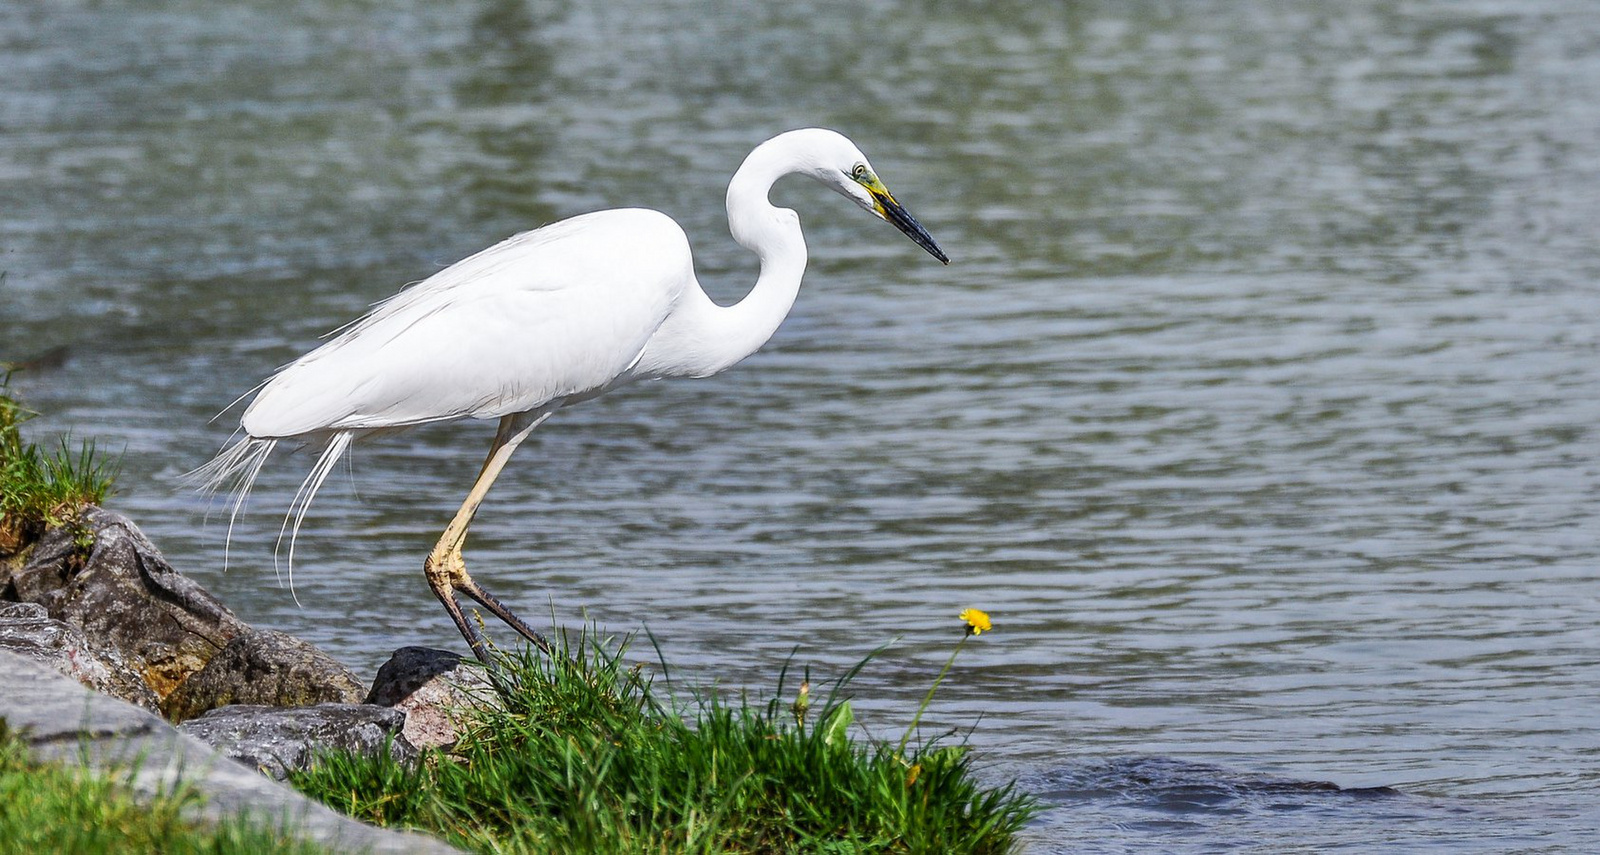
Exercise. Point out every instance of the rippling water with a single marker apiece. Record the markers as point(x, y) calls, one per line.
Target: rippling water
point(1258, 406)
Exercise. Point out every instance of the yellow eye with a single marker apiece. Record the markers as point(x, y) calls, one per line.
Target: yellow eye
point(860, 172)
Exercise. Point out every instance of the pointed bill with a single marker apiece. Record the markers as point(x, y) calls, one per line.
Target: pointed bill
point(886, 207)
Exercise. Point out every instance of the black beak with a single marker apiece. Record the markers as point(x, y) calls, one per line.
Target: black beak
point(902, 219)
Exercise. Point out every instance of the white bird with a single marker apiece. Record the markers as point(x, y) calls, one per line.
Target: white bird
point(541, 321)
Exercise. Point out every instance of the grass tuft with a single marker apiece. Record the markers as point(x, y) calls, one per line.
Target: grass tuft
point(40, 490)
point(49, 807)
point(581, 754)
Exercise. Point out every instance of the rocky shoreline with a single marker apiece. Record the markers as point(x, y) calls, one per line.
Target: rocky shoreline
point(104, 645)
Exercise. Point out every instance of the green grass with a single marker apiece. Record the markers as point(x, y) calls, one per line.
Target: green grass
point(49, 807)
point(39, 489)
point(584, 756)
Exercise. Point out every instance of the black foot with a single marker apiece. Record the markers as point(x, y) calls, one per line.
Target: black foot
point(476, 591)
point(469, 631)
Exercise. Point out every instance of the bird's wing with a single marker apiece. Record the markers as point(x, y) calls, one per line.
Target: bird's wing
point(560, 312)
point(480, 272)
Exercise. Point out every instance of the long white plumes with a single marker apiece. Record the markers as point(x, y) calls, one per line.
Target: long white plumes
point(303, 496)
point(234, 470)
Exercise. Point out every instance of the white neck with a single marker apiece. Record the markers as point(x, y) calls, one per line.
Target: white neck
point(715, 337)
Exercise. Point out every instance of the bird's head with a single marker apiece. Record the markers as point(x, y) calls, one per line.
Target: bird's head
point(836, 162)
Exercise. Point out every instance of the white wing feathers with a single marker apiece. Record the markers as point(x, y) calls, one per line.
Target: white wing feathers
point(548, 314)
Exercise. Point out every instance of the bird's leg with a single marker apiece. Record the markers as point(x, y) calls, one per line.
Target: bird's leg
point(447, 571)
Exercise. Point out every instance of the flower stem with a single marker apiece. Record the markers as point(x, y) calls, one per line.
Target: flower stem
point(927, 699)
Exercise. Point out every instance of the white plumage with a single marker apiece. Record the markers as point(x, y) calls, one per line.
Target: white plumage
point(553, 313)
point(540, 321)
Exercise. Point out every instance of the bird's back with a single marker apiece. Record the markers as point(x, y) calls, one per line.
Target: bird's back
point(559, 312)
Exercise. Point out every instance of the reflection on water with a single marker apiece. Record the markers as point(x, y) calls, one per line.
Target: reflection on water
point(1258, 406)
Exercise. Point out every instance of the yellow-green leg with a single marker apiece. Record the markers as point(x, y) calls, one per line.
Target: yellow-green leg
point(445, 569)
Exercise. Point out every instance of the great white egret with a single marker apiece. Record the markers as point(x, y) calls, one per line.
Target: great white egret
point(538, 322)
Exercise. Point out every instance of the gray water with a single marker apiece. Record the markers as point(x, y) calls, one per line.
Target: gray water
point(1258, 407)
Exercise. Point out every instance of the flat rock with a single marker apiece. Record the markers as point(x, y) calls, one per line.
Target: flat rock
point(275, 740)
point(27, 629)
point(122, 593)
point(63, 721)
point(434, 688)
point(264, 667)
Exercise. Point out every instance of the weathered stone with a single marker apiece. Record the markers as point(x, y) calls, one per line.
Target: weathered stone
point(434, 688)
point(276, 740)
point(27, 629)
point(123, 593)
point(267, 667)
point(22, 612)
point(65, 722)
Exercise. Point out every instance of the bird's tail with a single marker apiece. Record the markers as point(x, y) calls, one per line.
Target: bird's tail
point(235, 469)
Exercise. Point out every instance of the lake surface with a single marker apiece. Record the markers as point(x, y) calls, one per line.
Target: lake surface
point(1258, 406)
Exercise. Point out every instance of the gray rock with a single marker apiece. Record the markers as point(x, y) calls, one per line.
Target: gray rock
point(266, 667)
point(434, 688)
point(275, 740)
point(22, 612)
point(27, 629)
point(124, 594)
point(65, 722)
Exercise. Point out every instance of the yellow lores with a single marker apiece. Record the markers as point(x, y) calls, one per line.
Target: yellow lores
point(977, 622)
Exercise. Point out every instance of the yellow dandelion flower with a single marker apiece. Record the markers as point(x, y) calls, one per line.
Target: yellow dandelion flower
point(977, 621)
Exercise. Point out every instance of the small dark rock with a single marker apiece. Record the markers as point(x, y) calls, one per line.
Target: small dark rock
point(263, 666)
point(277, 740)
point(27, 629)
point(123, 593)
point(433, 688)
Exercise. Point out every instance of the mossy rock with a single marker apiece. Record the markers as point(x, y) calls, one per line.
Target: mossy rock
point(121, 592)
point(266, 668)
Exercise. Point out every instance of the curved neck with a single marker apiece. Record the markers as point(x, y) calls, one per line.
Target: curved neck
point(700, 338)
point(705, 338)
point(773, 234)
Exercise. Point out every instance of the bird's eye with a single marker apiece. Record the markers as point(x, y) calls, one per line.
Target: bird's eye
point(860, 172)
